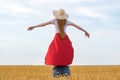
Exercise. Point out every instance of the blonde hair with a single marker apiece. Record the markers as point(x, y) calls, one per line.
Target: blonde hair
point(61, 24)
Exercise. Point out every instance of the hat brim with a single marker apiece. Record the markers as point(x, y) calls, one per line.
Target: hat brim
point(65, 16)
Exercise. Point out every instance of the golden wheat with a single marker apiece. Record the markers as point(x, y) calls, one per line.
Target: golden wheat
point(45, 73)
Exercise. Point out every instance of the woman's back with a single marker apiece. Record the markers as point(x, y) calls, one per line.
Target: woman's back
point(60, 26)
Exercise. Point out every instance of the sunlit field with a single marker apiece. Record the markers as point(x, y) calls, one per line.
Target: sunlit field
point(45, 73)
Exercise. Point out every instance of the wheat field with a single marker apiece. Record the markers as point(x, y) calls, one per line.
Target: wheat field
point(35, 72)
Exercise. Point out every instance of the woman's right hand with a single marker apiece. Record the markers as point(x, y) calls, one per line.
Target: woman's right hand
point(31, 28)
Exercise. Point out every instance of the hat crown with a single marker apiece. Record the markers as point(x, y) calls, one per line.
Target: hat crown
point(61, 12)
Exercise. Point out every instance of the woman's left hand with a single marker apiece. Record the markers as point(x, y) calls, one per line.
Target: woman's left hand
point(87, 34)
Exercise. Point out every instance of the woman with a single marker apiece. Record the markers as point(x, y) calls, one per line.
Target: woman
point(60, 52)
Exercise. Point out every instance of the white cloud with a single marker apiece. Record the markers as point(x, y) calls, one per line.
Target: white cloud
point(60, 1)
point(66, 1)
point(91, 13)
point(37, 1)
point(76, 1)
point(14, 8)
point(18, 7)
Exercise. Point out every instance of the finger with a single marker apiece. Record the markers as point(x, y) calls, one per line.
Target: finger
point(88, 36)
point(29, 29)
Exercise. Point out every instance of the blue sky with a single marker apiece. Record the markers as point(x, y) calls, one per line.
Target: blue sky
point(101, 18)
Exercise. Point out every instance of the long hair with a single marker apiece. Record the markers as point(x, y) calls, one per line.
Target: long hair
point(61, 24)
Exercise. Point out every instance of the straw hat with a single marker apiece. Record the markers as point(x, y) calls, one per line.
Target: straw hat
point(60, 14)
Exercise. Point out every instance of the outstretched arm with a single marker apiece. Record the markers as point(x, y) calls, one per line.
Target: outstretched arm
point(80, 28)
point(39, 25)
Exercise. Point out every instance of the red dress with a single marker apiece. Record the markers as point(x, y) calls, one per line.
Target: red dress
point(60, 51)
